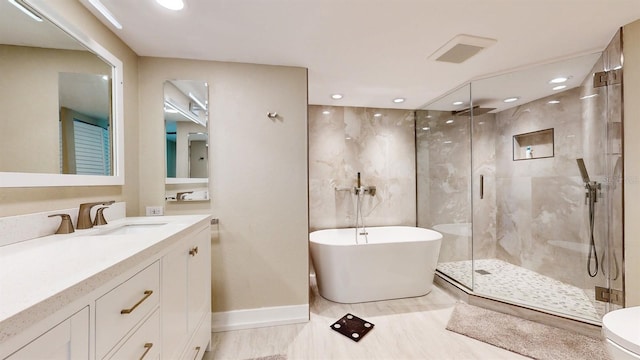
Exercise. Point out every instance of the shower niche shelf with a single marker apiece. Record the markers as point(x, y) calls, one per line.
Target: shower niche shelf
point(533, 145)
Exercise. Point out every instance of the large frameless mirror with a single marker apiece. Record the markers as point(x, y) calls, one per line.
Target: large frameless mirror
point(61, 96)
point(187, 140)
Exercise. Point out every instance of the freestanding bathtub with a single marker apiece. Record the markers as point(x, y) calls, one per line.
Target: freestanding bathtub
point(397, 262)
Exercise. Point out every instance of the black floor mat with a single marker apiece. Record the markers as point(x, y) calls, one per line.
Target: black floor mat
point(352, 327)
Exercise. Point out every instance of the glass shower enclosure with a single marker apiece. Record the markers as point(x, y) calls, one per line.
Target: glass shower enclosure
point(521, 173)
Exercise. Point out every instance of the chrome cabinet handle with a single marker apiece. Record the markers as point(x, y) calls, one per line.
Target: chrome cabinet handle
point(197, 352)
point(193, 251)
point(481, 186)
point(147, 293)
point(147, 346)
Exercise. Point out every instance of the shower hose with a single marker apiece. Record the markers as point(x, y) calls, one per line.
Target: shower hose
point(593, 254)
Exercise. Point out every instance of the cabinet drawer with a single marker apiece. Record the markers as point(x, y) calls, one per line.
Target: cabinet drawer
point(144, 343)
point(200, 341)
point(119, 310)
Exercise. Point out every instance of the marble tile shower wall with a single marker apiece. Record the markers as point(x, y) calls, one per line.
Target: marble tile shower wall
point(348, 140)
point(542, 220)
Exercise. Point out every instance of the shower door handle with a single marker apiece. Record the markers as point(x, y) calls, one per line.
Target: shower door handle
point(481, 187)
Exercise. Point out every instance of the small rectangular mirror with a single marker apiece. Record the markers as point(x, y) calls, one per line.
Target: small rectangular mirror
point(186, 117)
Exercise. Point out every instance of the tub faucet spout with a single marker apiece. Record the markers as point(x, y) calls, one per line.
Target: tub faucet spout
point(84, 214)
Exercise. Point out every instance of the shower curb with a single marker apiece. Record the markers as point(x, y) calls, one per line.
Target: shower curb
point(465, 295)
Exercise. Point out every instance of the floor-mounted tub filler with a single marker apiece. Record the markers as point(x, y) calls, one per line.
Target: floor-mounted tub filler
point(395, 262)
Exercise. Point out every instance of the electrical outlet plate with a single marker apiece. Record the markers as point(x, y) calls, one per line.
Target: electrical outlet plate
point(154, 211)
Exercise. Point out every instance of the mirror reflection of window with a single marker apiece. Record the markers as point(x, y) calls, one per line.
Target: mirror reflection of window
point(85, 124)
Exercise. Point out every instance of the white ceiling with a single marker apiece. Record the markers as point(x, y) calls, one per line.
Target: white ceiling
point(372, 50)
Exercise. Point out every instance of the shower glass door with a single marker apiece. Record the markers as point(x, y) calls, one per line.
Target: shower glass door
point(544, 235)
point(521, 173)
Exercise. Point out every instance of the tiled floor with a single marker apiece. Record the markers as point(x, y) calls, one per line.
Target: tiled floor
point(501, 280)
point(412, 328)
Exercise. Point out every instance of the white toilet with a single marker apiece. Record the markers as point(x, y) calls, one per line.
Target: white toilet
point(622, 331)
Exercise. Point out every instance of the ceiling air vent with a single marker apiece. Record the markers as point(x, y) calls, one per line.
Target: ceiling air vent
point(461, 48)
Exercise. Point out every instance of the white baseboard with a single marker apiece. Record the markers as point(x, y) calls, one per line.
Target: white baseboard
point(259, 317)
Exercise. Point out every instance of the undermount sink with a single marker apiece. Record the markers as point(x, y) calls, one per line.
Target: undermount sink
point(131, 229)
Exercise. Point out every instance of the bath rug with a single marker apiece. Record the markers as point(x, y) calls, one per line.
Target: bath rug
point(523, 336)
point(352, 327)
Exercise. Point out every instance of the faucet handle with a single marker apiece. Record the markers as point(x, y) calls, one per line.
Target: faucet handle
point(66, 226)
point(99, 219)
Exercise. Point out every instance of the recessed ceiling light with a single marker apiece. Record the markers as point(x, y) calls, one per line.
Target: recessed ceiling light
point(559, 87)
point(554, 102)
point(558, 80)
point(450, 121)
point(398, 100)
point(171, 4)
point(511, 99)
point(326, 112)
point(377, 114)
point(458, 103)
point(336, 96)
point(447, 141)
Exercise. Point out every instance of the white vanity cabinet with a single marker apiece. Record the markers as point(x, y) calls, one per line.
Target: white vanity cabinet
point(67, 340)
point(152, 301)
point(186, 298)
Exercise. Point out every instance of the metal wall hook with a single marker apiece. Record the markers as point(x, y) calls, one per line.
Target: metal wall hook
point(272, 115)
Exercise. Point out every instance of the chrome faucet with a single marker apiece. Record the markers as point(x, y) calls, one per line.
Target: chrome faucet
point(84, 214)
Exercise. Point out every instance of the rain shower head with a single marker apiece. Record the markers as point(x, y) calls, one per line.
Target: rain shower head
point(583, 171)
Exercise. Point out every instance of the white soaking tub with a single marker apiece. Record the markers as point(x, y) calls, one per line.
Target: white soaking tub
point(396, 262)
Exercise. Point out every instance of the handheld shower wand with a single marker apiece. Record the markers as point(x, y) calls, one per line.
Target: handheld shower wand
point(591, 195)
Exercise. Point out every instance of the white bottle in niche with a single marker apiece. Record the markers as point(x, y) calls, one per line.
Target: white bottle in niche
point(528, 153)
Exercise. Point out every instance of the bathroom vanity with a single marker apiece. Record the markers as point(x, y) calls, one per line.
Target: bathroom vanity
point(135, 288)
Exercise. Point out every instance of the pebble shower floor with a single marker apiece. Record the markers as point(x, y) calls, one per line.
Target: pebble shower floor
point(505, 281)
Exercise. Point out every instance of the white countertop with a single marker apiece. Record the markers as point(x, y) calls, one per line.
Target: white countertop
point(40, 276)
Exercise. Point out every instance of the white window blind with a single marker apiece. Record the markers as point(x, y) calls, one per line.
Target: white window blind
point(93, 156)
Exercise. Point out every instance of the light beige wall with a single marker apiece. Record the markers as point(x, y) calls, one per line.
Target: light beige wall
point(17, 201)
point(258, 181)
point(631, 50)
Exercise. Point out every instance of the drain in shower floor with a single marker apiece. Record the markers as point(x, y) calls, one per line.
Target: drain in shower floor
point(352, 327)
point(483, 272)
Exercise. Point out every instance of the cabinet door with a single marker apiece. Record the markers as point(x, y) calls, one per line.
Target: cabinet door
point(67, 340)
point(199, 283)
point(175, 332)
